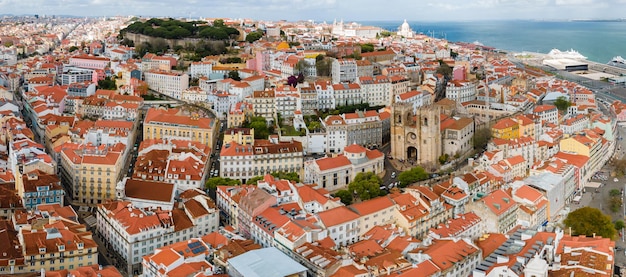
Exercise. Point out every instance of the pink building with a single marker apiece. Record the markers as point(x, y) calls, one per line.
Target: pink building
point(92, 62)
point(459, 73)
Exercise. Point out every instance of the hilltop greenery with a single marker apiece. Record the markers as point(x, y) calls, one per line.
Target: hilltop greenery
point(175, 29)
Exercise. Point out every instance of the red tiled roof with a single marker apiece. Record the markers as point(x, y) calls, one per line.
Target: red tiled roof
point(337, 216)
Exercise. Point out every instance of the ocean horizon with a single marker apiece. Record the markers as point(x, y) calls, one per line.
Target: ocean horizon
point(599, 41)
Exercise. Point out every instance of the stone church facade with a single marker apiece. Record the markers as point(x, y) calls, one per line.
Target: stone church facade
point(416, 137)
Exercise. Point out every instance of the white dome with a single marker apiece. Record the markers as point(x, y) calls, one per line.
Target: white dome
point(405, 26)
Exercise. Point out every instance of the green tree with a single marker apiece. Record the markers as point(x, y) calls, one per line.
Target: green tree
point(615, 203)
point(234, 74)
point(73, 48)
point(345, 196)
point(314, 125)
point(614, 193)
point(445, 70)
point(214, 182)
point(218, 23)
point(323, 66)
point(385, 34)
point(453, 54)
point(365, 185)
point(411, 176)
point(254, 36)
point(355, 56)
point(619, 225)
point(443, 158)
point(482, 135)
point(291, 176)
point(562, 103)
point(589, 221)
point(367, 47)
point(107, 83)
point(258, 123)
point(253, 180)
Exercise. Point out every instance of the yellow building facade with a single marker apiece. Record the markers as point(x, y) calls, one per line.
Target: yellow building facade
point(170, 124)
point(92, 172)
point(505, 129)
point(239, 135)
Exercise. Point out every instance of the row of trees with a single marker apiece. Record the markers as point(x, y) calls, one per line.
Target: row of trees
point(175, 29)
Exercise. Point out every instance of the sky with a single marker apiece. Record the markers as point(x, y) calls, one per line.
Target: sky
point(320, 10)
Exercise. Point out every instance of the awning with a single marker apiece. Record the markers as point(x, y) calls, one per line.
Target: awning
point(594, 185)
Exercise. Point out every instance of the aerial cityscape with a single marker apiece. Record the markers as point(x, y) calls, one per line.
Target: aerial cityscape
point(185, 145)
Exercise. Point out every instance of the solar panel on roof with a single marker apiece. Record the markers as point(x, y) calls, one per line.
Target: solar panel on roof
point(194, 244)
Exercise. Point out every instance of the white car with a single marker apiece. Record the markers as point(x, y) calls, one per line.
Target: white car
point(615, 180)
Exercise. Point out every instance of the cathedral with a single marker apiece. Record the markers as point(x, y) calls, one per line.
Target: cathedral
point(405, 30)
point(416, 136)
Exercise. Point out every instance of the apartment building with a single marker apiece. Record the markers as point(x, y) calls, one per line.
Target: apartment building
point(461, 90)
point(287, 101)
point(497, 210)
point(344, 70)
point(263, 104)
point(415, 97)
point(170, 84)
point(73, 74)
point(376, 89)
point(171, 124)
point(238, 114)
point(181, 162)
point(199, 69)
point(88, 61)
point(37, 187)
point(239, 135)
point(346, 94)
point(45, 239)
point(505, 128)
point(547, 113)
point(134, 233)
point(243, 162)
point(91, 171)
point(194, 94)
point(379, 211)
point(325, 96)
point(342, 225)
point(183, 258)
point(362, 127)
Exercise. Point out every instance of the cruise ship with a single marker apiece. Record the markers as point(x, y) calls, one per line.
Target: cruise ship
point(617, 61)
